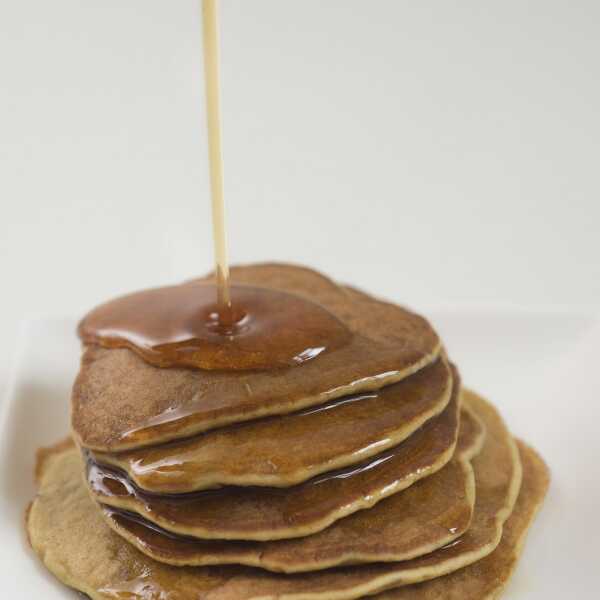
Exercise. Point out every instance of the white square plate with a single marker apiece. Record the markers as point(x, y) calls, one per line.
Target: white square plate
point(539, 368)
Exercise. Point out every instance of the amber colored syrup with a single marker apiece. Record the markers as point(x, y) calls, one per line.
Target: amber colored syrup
point(215, 158)
point(179, 326)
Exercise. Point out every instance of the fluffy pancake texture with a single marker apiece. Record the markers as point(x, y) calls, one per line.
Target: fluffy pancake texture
point(120, 402)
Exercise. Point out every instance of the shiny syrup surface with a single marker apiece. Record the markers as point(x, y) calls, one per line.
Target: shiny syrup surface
point(180, 326)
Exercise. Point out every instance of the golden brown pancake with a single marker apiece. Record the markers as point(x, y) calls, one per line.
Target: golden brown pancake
point(430, 514)
point(498, 475)
point(286, 450)
point(260, 513)
point(120, 402)
point(472, 431)
point(486, 579)
point(74, 542)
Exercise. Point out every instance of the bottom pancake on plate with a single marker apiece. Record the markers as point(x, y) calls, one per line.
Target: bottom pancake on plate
point(68, 532)
point(430, 514)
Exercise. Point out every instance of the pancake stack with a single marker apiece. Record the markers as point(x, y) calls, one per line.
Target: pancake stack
point(366, 471)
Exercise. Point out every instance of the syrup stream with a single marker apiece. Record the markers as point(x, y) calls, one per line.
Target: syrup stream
point(215, 157)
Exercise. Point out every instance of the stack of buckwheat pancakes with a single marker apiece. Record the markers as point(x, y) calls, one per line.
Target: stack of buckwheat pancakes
point(366, 470)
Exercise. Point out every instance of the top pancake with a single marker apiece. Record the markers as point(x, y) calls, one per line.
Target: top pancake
point(120, 402)
point(285, 450)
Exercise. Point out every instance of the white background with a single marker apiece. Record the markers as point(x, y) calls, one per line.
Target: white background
point(438, 153)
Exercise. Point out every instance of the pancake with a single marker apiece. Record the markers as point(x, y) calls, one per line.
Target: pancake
point(430, 514)
point(120, 402)
point(486, 579)
point(286, 450)
point(472, 431)
point(260, 514)
point(69, 534)
point(498, 475)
